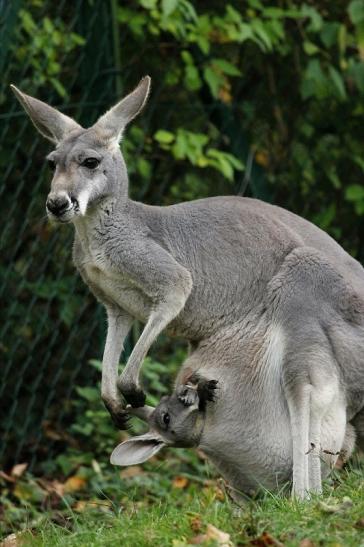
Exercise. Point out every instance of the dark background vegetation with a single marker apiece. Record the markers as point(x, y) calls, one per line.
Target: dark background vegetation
point(252, 98)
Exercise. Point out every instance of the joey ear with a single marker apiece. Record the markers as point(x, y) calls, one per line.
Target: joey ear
point(205, 389)
point(137, 450)
point(188, 396)
point(51, 123)
point(116, 119)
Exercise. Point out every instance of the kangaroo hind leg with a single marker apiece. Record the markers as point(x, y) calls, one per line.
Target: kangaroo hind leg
point(312, 390)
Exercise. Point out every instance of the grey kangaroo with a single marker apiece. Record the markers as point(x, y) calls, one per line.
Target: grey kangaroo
point(275, 286)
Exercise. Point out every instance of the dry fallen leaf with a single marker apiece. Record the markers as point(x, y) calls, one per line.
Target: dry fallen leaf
point(18, 470)
point(197, 540)
point(265, 540)
point(15, 540)
point(196, 523)
point(219, 493)
point(360, 523)
point(10, 541)
point(83, 505)
point(52, 487)
point(73, 484)
point(133, 471)
point(306, 543)
point(180, 482)
point(221, 538)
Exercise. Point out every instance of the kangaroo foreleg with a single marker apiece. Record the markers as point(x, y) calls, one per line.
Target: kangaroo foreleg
point(119, 323)
point(163, 314)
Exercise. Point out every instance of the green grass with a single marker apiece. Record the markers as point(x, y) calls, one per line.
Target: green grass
point(149, 510)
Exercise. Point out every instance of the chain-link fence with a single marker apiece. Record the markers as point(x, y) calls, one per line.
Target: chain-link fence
point(71, 56)
point(50, 324)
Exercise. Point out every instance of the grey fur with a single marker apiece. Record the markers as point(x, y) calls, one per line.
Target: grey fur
point(276, 299)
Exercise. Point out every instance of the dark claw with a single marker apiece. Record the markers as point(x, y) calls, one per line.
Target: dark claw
point(206, 391)
point(119, 417)
point(135, 398)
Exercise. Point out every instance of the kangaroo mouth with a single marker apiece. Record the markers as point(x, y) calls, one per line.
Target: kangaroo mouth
point(66, 215)
point(63, 218)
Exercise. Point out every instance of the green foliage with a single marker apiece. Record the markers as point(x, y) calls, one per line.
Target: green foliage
point(43, 44)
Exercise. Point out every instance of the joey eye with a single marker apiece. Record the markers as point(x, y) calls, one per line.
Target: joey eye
point(52, 165)
point(90, 163)
point(166, 418)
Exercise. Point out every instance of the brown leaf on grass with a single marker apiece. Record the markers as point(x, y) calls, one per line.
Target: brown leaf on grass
point(85, 505)
point(196, 523)
point(180, 482)
point(265, 540)
point(52, 487)
point(306, 543)
point(359, 523)
point(74, 484)
point(133, 471)
point(10, 541)
point(220, 538)
point(16, 540)
point(198, 540)
point(219, 493)
point(18, 470)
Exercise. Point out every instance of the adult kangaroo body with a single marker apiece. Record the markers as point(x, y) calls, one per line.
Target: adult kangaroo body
point(209, 267)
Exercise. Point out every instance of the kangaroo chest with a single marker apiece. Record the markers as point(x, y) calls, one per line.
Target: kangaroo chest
point(110, 287)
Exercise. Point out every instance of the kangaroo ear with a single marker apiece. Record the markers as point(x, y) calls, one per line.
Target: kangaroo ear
point(137, 450)
point(115, 120)
point(50, 122)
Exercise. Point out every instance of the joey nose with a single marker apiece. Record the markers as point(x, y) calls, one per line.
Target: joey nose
point(57, 205)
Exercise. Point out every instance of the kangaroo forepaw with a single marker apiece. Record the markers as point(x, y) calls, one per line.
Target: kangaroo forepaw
point(119, 416)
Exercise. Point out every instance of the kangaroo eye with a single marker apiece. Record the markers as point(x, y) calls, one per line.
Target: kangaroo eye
point(166, 418)
point(90, 163)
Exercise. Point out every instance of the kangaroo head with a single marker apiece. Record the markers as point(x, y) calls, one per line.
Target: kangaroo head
point(88, 164)
point(177, 421)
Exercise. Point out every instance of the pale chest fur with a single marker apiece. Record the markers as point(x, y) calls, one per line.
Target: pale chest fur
point(109, 286)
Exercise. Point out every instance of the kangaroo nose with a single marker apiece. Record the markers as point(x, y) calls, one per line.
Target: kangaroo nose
point(58, 204)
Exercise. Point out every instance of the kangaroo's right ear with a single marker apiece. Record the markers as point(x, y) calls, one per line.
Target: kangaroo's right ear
point(137, 449)
point(51, 123)
point(113, 123)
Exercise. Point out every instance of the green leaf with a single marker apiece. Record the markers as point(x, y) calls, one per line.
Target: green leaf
point(226, 67)
point(338, 82)
point(169, 6)
point(192, 78)
point(356, 11)
point(355, 192)
point(164, 137)
point(310, 48)
point(213, 80)
point(316, 20)
point(91, 394)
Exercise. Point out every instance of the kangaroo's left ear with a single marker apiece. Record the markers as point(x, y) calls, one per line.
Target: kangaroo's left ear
point(137, 449)
point(51, 123)
point(113, 123)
